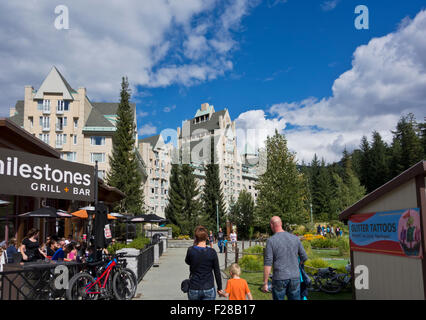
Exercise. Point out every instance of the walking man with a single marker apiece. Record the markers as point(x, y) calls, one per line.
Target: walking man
point(285, 252)
point(220, 238)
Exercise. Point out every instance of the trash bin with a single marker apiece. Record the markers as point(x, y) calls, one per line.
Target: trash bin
point(131, 258)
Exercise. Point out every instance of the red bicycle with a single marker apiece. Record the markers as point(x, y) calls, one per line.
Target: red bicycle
point(112, 280)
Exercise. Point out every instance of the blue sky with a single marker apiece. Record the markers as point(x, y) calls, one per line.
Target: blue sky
point(298, 66)
point(286, 52)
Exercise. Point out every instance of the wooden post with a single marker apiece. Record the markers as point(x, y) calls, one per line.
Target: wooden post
point(236, 254)
point(226, 256)
point(242, 245)
point(250, 243)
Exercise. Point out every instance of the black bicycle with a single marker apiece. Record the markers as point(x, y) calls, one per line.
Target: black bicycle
point(329, 281)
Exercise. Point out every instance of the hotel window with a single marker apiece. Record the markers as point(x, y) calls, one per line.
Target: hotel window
point(31, 120)
point(76, 123)
point(66, 105)
point(61, 139)
point(44, 137)
point(75, 139)
point(46, 105)
point(100, 157)
point(60, 106)
point(97, 141)
point(45, 122)
point(69, 156)
point(101, 174)
point(40, 105)
point(61, 122)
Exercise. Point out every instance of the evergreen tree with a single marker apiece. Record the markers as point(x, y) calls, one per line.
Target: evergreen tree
point(348, 188)
point(406, 134)
point(176, 202)
point(422, 128)
point(125, 173)
point(184, 207)
point(365, 164)
point(378, 163)
point(242, 213)
point(314, 185)
point(282, 188)
point(324, 193)
point(191, 215)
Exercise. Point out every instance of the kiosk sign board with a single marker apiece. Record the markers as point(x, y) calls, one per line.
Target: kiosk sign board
point(26, 174)
point(393, 232)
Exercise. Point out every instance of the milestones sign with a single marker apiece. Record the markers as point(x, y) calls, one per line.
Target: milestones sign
point(26, 174)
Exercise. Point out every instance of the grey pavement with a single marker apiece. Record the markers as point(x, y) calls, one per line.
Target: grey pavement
point(163, 282)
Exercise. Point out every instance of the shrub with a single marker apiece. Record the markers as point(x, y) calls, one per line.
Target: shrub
point(316, 263)
point(138, 243)
point(184, 237)
point(343, 245)
point(175, 230)
point(324, 243)
point(308, 248)
point(251, 263)
point(254, 249)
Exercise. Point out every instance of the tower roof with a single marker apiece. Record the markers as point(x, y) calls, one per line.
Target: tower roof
point(55, 83)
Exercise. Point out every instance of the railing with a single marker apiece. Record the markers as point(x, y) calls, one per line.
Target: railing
point(145, 261)
point(32, 281)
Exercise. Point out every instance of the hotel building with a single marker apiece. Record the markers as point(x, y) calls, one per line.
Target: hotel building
point(64, 118)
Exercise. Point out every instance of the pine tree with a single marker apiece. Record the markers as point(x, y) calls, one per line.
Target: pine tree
point(365, 164)
point(378, 162)
point(212, 195)
point(176, 202)
point(408, 137)
point(125, 173)
point(324, 193)
point(282, 188)
point(242, 213)
point(184, 207)
point(348, 188)
point(191, 215)
point(314, 185)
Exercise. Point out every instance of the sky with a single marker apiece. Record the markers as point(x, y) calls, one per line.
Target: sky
point(297, 66)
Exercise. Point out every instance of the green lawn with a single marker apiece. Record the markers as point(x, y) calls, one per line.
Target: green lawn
point(255, 281)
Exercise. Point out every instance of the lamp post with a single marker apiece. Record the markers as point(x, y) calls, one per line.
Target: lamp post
point(217, 215)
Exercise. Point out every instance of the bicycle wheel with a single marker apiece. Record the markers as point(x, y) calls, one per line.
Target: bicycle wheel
point(77, 287)
point(123, 284)
point(330, 285)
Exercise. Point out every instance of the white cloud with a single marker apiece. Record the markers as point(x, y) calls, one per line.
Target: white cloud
point(387, 79)
point(169, 109)
point(147, 129)
point(329, 5)
point(253, 128)
point(142, 114)
point(154, 42)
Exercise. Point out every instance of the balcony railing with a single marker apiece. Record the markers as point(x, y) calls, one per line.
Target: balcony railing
point(46, 128)
point(46, 110)
point(59, 127)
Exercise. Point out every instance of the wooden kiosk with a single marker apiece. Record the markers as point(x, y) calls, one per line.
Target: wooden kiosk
point(387, 235)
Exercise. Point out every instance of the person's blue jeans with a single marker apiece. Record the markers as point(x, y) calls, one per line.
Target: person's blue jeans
point(209, 294)
point(220, 245)
point(289, 287)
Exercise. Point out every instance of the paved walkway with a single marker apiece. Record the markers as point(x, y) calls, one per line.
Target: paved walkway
point(163, 282)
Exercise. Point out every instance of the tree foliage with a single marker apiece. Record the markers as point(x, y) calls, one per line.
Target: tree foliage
point(125, 169)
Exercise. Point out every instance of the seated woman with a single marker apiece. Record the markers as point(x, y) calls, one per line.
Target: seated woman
point(30, 248)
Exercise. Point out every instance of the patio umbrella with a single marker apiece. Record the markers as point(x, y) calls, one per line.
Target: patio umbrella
point(150, 218)
point(4, 203)
point(45, 212)
point(84, 215)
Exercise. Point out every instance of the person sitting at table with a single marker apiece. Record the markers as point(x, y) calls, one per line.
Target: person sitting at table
point(52, 246)
point(11, 250)
point(59, 255)
point(30, 248)
point(71, 252)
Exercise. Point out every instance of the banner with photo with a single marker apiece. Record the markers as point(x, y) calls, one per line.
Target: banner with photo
point(393, 232)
